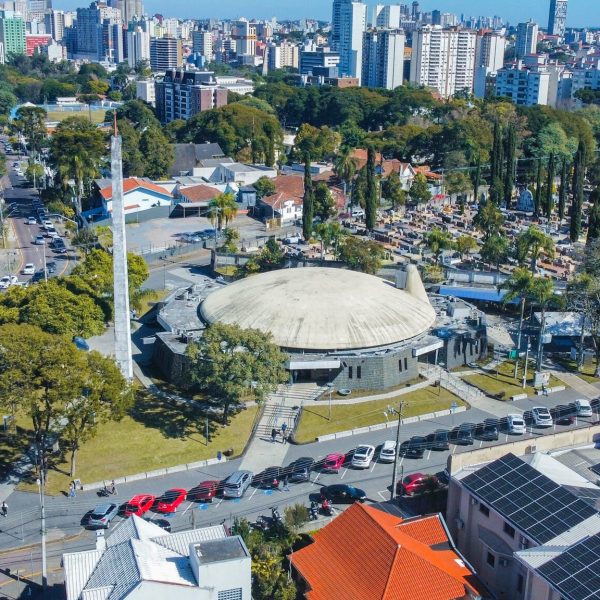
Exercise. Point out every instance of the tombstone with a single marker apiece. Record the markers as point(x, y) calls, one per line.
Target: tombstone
point(525, 202)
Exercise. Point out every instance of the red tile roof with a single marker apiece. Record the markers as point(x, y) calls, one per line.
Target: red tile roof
point(132, 183)
point(199, 193)
point(287, 187)
point(366, 554)
point(389, 165)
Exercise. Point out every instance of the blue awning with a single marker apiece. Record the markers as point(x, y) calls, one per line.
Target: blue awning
point(472, 293)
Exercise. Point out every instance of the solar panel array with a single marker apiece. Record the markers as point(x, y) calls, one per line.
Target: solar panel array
point(531, 501)
point(576, 572)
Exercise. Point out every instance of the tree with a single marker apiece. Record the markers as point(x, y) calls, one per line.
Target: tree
point(142, 69)
point(594, 217)
point(362, 255)
point(7, 102)
point(264, 187)
point(230, 363)
point(562, 191)
point(222, 209)
point(496, 159)
point(465, 244)
point(232, 237)
point(330, 234)
point(495, 250)
point(477, 178)
point(578, 184)
point(372, 200)
point(271, 256)
point(158, 153)
point(319, 142)
point(549, 200)
point(34, 172)
point(308, 202)
point(30, 123)
point(457, 183)
point(325, 207)
point(392, 190)
point(511, 156)
point(489, 220)
point(531, 244)
point(438, 241)
point(133, 159)
point(419, 190)
point(345, 167)
point(537, 197)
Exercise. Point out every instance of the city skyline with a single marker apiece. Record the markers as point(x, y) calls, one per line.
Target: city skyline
point(581, 13)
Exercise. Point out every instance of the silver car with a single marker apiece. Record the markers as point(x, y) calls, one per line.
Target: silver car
point(236, 484)
point(103, 514)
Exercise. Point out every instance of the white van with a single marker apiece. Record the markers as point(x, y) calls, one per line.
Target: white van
point(583, 407)
point(357, 213)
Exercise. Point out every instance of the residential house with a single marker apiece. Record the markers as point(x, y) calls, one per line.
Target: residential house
point(385, 167)
point(188, 157)
point(232, 172)
point(193, 200)
point(285, 205)
point(368, 554)
point(139, 560)
point(509, 517)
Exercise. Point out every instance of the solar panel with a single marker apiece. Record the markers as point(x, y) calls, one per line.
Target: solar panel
point(596, 469)
point(535, 504)
point(575, 573)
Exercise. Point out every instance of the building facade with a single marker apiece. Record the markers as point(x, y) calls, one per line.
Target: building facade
point(165, 53)
point(12, 34)
point(525, 86)
point(557, 19)
point(489, 59)
point(527, 37)
point(138, 46)
point(353, 24)
point(202, 43)
point(383, 59)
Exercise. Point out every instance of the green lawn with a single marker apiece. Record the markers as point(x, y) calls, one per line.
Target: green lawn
point(153, 436)
point(60, 115)
point(314, 421)
point(587, 373)
point(505, 382)
point(366, 393)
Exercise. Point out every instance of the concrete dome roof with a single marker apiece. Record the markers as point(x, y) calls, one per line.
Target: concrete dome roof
point(322, 309)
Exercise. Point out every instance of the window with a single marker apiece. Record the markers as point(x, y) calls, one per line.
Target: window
point(484, 509)
point(349, 372)
point(400, 365)
point(405, 364)
point(235, 594)
point(358, 372)
point(491, 559)
point(508, 530)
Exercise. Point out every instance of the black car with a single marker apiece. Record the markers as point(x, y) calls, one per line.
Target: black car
point(414, 448)
point(463, 435)
point(51, 267)
point(563, 415)
point(439, 440)
point(487, 431)
point(340, 492)
point(269, 478)
point(300, 469)
point(162, 523)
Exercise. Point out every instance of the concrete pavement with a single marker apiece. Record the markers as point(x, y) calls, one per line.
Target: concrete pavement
point(587, 390)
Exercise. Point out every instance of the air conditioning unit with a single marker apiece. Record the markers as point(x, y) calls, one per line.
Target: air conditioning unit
point(460, 524)
point(474, 501)
point(523, 543)
point(533, 449)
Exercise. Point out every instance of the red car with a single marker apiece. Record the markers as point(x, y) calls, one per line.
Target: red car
point(205, 491)
point(333, 462)
point(416, 483)
point(170, 500)
point(139, 505)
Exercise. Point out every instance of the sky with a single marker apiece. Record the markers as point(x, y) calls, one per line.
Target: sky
point(582, 13)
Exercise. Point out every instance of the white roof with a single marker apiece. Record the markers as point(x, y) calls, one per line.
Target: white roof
point(558, 472)
point(322, 308)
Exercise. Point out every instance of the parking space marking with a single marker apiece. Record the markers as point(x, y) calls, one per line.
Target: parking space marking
point(480, 443)
point(344, 474)
point(373, 466)
point(219, 503)
point(381, 495)
point(314, 482)
point(253, 492)
point(187, 508)
point(428, 455)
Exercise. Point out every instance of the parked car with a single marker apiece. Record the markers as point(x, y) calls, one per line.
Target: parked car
point(81, 343)
point(563, 415)
point(333, 462)
point(269, 478)
point(300, 469)
point(413, 448)
point(170, 500)
point(487, 431)
point(362, 457)
point(162, 523)
point(387, 454)
point(7, 281)
point(463, 434)
point(139, 505)
point(340, 492)
point(515, 424)
point(583, 408)
point(205, 491)
point(103, 514)
point(29, 269)
point(439, 440)
point(541, 416)
point(416, 483)
point(236, 484)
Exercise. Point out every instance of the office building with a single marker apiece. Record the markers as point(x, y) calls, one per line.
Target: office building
point(336, 23)
point(183, 94)
point(557, 19)
point(443, 59)
point(165, 53)
point(387, 16)
point(353, 24)
point(88, 32)
point(245, 36)
point(318, 58)
point(54, 21)
point(138, 46)
point(202, 44)
point(12, 34)
point(282, 55)
point(527, 38)
point(489, 58)
point(383, 59)
point(130, 9)
point(524, 85)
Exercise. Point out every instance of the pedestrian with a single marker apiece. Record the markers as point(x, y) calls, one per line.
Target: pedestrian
point(286, 487)
point(113, 488)
point(273, 435)
point(72, 490)
point(4, 509)
point(283, 427)
point(284, 436)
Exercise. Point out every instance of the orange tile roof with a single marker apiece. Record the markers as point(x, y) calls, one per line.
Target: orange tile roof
point(133, 183)
point(287, 187)
point(199, 193)
point(366, 554)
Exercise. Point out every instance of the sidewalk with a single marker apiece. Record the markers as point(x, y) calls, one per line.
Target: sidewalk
point(587, 390)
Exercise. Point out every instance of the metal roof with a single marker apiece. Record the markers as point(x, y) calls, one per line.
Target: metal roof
point(473, 293)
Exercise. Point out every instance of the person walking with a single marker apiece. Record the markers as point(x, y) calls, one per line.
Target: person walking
point(72, 492)
point(284, 437)
point(4, 509)
point(273, 435)
point(113, 488)
point(286, 481)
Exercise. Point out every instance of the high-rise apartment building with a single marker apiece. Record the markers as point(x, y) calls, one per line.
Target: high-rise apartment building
point(182, 94)
point(54, 21)
point(245, 36)
point(489, 58)
point(202, 43)
point(525, 86)
point(383, 59)
point(138, 46)
point(283, 55)
point(131, 9)
point(12, 34)
point(387, 16)
point(443, 59)
point(353, 24)
point(336, 24)
point(527, 38)
point(557, 19)
point(165, 53)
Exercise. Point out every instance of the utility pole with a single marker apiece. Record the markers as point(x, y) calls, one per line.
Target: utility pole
point(400, 412)
point(41, 484)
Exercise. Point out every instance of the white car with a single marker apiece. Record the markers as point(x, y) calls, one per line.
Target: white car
point(7, 281)
point(583, 408)
point(29, 269)
point(541, 416)
point(387, 454)
point(515, 424)
point(31, 221)
point(46, 223)
point(362, 457)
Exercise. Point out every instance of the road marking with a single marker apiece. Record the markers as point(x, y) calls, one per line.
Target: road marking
point(373, 466)
point(187, 508)
point(454, 448)
point(253, 492)
point(316, 478)
point(344, 474)
point(219, 503)
point(381, 495)
point(481, 443)
point(428, 455)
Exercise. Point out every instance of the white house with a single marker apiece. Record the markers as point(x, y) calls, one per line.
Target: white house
point(140, 195)
point(286, 203)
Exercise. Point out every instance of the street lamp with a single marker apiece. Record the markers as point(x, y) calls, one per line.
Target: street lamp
point(400, 411)
point(330, 386)
point(40, 484)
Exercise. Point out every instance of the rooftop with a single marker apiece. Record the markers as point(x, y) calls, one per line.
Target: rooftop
point(230, 548)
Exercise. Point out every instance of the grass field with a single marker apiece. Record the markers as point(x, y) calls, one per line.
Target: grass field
point(154, 435)
point(314, 421)
point(366, 393)
point(505, 382)
point(61, 115)
point(587, 373)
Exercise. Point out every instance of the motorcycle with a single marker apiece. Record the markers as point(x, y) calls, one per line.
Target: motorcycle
point(314, 511)
point(275, 516)
point(261, 523)
point(326, 508)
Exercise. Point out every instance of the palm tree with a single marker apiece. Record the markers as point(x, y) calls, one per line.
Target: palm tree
point(345, 167)
point(532, 244)
point(438, 241)
point(542, 294)
point(329, 234)
point(222, 209)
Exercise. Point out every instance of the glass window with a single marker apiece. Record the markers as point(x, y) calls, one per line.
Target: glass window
point(491, 559)
point(400, 365)
point(358, 372)
point(484, 509)
point(349, 372)
point(510, 531)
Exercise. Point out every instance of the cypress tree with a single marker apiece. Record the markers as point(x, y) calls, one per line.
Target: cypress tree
point(495, 158)
point(371, 200)
point(549, 186)
point(594, 218)
point(477, 178)
point(308, 203)
point(538, 189)
point(509, 174)
point(577, 202)
point(562, 192)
